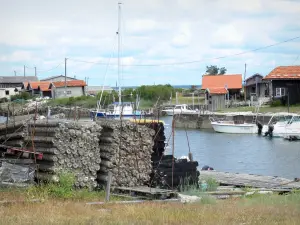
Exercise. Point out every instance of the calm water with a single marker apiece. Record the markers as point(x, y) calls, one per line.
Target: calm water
point(241, 153)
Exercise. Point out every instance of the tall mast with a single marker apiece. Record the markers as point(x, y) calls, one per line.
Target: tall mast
point(119, 60)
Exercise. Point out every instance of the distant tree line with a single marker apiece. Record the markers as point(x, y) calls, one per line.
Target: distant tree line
point(145, 92)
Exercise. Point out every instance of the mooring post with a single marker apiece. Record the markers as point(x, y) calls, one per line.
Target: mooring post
point(107, 192)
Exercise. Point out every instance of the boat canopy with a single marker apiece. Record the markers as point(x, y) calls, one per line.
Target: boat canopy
point(237, 119)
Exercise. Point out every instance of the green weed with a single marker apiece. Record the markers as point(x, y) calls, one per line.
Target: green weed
point(212, 184)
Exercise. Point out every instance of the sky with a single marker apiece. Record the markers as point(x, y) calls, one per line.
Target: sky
point(157, 38)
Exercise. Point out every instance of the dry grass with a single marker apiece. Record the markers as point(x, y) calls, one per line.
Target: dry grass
point(280, 210)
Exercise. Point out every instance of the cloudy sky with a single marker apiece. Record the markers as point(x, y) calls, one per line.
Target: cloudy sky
point(158, 36)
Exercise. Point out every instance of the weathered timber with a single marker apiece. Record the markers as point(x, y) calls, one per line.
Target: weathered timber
point(17, 161)
point(248, 180)
point(40, 139)
point(14, 143)
point(152, 193)
point(11, 136)
point(53, 151)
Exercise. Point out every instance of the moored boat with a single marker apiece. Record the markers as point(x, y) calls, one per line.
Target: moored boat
point(283, 125)
point(233, 125)
point(180, 109)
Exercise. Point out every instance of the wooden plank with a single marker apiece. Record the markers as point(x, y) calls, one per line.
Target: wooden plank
point(250, 180)
point(144, 189)
point(17, 161)
point(151, 193)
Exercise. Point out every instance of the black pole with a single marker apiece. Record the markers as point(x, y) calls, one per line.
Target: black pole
point(288, 99)
point(65, 77)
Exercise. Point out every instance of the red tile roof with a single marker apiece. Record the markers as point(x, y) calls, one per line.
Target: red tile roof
point(232, 81)
point(284, 72)
point(34, 85)
point(70, 83)
point(217, 91)
point(43, 85)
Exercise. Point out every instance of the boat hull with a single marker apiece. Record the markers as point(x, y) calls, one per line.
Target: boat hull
point(94, 114)
point(282, 131)
point(172, 112)
point(234, 128)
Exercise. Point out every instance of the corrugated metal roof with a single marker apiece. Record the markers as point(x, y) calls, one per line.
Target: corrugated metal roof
point(53, 77)
point(17, 79)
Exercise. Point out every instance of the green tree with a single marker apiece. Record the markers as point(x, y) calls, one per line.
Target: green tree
point(222, 71)
point(214, 70)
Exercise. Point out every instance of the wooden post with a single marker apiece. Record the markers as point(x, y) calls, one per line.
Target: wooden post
point(107, 192)
point(193, 100)
point(13, 113)
point(245, 90)
point(173, 150)
point(288, 100)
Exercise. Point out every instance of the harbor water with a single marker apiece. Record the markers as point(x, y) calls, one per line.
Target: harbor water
point(240, 153)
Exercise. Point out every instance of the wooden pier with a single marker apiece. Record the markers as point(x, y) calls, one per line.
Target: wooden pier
point(250, 180)
point(146, 192)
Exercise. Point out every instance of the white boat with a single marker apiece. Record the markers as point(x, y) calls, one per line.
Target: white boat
point(233, 124)
point(180, 109)
point(283, 125)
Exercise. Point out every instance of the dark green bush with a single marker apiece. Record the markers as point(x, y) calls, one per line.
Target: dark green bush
point(2, 100)
point(21, 95)
point(276, 103)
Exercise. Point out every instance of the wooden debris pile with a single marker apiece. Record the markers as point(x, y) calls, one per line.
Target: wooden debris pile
point(185, 172)
point(126, 150)
point(12, 134)
point(169, 172)
point(66, 146)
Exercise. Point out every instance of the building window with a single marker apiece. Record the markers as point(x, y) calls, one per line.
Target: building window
point(280, 92)
point(6, 92)
point(69, 92)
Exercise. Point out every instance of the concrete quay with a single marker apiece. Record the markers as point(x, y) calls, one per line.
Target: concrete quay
point(201, 121)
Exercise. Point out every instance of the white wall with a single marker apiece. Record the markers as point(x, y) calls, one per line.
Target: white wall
point(11, 92)
point(71, 92)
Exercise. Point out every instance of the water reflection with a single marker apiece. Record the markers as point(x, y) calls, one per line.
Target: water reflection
point(241, 153)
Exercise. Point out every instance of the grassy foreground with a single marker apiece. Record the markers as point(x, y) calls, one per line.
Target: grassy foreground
point(270, 209)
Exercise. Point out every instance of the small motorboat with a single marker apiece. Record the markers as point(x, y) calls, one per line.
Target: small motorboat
point(180, 109)
point(233, 124)
point(284, 125)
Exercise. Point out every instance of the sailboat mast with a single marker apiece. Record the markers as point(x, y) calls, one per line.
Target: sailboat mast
point(119, 60)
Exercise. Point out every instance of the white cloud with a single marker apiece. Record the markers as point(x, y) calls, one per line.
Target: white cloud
point(153, 32)
point(141, 25)
point(17, 56)
point(183, 37)
point(229, 34)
